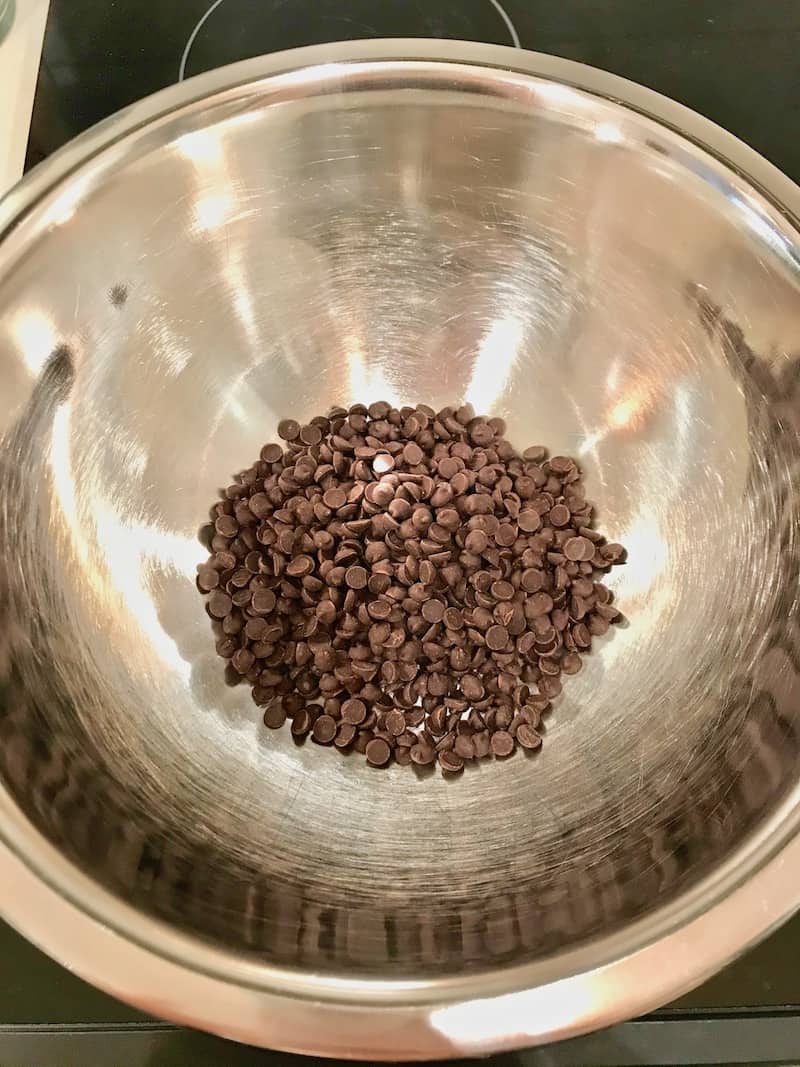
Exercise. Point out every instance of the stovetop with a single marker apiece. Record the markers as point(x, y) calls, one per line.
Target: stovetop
point(735, 61)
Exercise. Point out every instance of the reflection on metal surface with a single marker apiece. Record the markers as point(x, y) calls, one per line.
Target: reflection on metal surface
point(528, 1015)
point(599, 295)
point(609, 133)
point(59, 456)
point(213, 210)
point(556, 94)
point(495, 359)
point(626, 413)
point(648, 549)
point(63, 206)
point(35, 335)
point(630, 409)
point(366, 378)
point(203, 147)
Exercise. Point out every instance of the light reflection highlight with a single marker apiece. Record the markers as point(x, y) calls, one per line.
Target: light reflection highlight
point(66, 203)
point(365, 380)
point(608, 133)
point(171, 350)
point(629, 410)
point(59, 460)
point(555, 93)
point(494, 362)
point(480, 1024)
point(130, 550)
point(213, 210)
point(612, 378)
point(35, 335)
point(203, 147)
point(627, 413)
point(648, 556)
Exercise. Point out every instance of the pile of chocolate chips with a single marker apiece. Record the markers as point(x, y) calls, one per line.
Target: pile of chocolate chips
point(403, 583)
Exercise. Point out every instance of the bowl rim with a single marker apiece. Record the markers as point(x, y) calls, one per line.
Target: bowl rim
point(146, 962)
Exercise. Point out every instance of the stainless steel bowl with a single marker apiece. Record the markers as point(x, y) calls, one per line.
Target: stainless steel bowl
point(418, 221)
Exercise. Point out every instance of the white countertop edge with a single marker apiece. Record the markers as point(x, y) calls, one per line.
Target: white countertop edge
point(20, 55)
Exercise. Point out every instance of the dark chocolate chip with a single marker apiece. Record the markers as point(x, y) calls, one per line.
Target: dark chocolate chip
point(378, 752)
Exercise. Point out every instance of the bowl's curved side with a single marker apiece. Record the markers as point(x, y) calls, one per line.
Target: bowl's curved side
point(158, 984)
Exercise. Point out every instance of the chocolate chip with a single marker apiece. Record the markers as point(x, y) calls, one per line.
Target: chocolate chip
point(383, 463)
point(395, 723)
point(549, 687)
point(534, 454)
point(505, 534)
point(433, 611)
point(579, 548)
point(324, 730)
point(571, 663)
point(481, 744)
point(559, 515)
point(532, 580)
point(207, 578)
point(272, 453)
point(379, 610)
point(437, 720)
point(356, 577)
point(345, 734)
point(528, 737)
point(226, 526)
point(379, 409)
point(450, 762)
point(497, 638)
point(300, 566)
point(581, 635)
point(529, 520)
point(423, 754)
point(263, 601)
point(472, 688)
point(302, 722)
point(561, 464)
point(449, 467)
point(502, 743)
point(275, 716)
point(464, 747)
point(413, 454)
point(255, 629)
point(378, 752)
point(310, 435)
point(363, 738)
point(334, 499)
point(288, 429)
point(219, 604)
point(612, 553)
point(354, 711)
point(538, 605)
point(476, 542)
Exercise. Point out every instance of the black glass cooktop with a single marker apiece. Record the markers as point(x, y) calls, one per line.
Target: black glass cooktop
point(735, 61)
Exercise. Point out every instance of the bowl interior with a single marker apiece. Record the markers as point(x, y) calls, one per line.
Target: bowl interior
point(411, 234)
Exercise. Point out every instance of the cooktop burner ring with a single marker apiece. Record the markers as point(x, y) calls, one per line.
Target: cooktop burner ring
point(204, 18)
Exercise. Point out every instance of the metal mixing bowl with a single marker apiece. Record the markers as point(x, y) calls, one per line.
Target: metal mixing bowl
point(414, 221)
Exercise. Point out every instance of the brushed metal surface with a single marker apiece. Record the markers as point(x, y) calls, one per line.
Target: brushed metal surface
point(411, 221)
